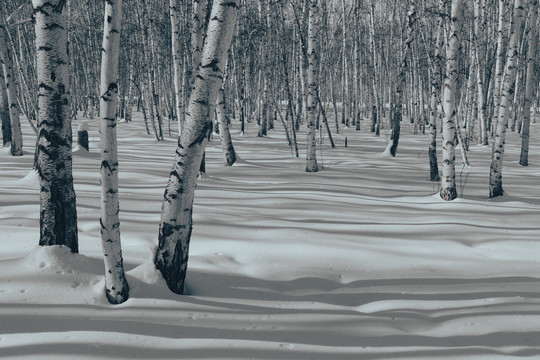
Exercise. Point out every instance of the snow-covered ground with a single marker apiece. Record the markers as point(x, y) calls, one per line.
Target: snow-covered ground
point(362, 260)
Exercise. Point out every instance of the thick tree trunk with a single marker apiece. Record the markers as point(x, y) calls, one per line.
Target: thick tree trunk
point(448, 181)
point(311, 156)
point(176, 213)
point(531, 53)
point(58, 214)
point(116, 287)
point(495, 173)
point(11, 87)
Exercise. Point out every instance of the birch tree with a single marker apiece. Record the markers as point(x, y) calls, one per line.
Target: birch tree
point(4, 111)
point(531, 53)
point(176, 213)
point(495, 172)
point(311, 157)
point(116, 287)
point(11, 89)
point(448, 180)
point(176, 55)
point(58, 213)
point(401, 80)
point(224, 133)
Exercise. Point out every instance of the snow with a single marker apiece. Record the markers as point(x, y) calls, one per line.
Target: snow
point(361, 260)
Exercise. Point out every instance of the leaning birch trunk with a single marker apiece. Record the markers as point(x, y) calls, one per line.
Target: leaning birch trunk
point(448, 181)
point(176, 213)
point(495, 170)
point(401, 80)
point(116, 287)
point(175, 40)
point(524, 156)
point(11, 87)
point(311, 156)
point(224, 133)
point(58, 213)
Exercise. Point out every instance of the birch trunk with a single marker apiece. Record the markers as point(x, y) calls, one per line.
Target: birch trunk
point(176, 213)
point(176, 54)
point(224, 133)
point(11, 87)
point(58, 213)
point(495, 171)
point(4, 111)
point(116, 287)
point(479, 24)
point(401, 80)
point(531, 52)
point(434, 104)
point(498, 67)
point(448, 181)
point(311, 156)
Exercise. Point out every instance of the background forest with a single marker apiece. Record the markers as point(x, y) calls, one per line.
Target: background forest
point(358, 260)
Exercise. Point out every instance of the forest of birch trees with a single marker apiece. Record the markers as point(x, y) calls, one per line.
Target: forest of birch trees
point(462, 71)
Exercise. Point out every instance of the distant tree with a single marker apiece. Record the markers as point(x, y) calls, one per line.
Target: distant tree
point(401, 81)
point(311, 157)
point(58, 214)
point(11, 89)
point(531, 54)
point(176, 212)
point(495, 172)
point(4, 111)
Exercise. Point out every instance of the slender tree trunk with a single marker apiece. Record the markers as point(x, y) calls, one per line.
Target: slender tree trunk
point(58, 214)
point(495, 173)
point(4, 111)
point(11, 87)
point(499, 67)
point(176, 54)
point(176, 213)
point(226, 142)
point(531, 53)
point(311, 157)
point(116, 287)
point(401, 80)
point(434, 102)
point(448, 181)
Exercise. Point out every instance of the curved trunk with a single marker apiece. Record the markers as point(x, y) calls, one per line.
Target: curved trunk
point(171, 256)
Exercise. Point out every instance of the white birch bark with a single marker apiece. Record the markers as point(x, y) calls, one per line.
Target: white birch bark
point(499, 67)
point(448, 180)
point(58, 214)
point(11, 87)
point(311, 156)
point(531, 52)
point(495, 171)
point(116, 287)
point(176, 213)
point(175, 40)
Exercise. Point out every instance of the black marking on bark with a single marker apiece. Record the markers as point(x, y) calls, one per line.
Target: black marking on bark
point(212, 65)
point(53, 26)
point(45, 87)
point(105, 164)
point(109, 19)
point(45, 48)
point(230, 4)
